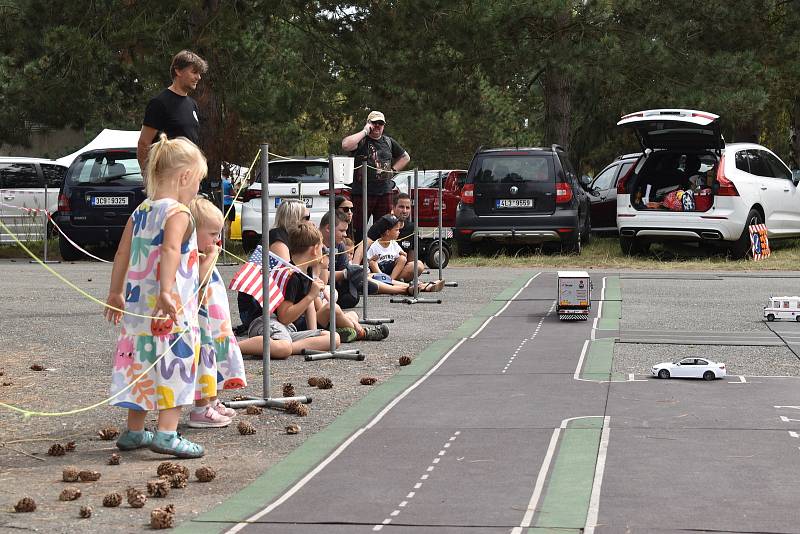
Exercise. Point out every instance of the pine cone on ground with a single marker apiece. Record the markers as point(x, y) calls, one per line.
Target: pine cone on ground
point(205, 474)
point(170, 468)
point(405, 360)
point(8, 383)
point(56, 449)
point(25, 504)
point(112, 500)
point(37, 367)
point(293, 429)
point(312, 381)
point(131, 492)
point(114, 459)
point(158, 488)
point(324, 383)
point(70, 474)
point(178, 480)
point(236, 398)
point(85, 512)
point(137, 500)
point(291, 406)
point(368, 380)
point(288, 390)
point(297, 408)
point(69, 494)
point(245, 428)
point(70, 446)
point(161, 518)
point(89, 476)
point(253, 410)
point(108, 433)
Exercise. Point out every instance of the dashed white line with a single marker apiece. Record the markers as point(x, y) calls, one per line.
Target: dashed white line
point(501, 310)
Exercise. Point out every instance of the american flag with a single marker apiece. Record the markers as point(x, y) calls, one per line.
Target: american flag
point(249, 278)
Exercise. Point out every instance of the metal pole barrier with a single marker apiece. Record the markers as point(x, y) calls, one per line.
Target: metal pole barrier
point(224, 263)
point(265, 400)
point(46, 233)
point(364, 258)
point(441, 207)
point(352, 354)
point(416, 299)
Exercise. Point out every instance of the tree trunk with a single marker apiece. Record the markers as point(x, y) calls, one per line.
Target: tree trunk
point(557, 108)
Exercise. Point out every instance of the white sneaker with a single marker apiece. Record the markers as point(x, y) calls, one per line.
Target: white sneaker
point(209, 418)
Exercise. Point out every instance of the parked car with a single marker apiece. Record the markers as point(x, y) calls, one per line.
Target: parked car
point(100, 191)
point(735, 186)
point(523, 195)
point(22, 185)
point(690, 368)
point(603, 193)
point(301, 178)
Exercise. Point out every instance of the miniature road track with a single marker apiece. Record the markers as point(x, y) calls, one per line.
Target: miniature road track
point(517, 423)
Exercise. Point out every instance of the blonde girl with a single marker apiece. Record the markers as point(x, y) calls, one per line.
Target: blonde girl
point(156, 276)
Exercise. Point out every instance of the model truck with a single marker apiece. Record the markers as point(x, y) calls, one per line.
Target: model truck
point(574, 295)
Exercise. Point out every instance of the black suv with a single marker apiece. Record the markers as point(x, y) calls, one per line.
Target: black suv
point(525, 196)
point(100, 191)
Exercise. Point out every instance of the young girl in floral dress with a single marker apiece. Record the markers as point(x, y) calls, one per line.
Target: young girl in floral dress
point(154, 294)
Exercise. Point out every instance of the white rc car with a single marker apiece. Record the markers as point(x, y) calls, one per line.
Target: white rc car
point(690, 368)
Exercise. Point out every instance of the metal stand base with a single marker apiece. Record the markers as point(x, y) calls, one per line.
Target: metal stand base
point(415, 300)
point(277, 402)
point(376, 321)
point(314, 355)
point(451, 284)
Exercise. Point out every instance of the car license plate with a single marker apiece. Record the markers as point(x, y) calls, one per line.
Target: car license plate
point(109, 201)
point(308, 201)
point(514, 203)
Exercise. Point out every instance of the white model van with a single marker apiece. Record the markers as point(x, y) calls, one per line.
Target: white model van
point(783, 308)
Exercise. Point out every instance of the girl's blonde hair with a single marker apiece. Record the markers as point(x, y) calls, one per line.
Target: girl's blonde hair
point(205, 212)
point(168, 156)
point(290, 212)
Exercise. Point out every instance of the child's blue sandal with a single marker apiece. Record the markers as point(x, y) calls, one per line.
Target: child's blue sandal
point(130, 440)
point(172, 443)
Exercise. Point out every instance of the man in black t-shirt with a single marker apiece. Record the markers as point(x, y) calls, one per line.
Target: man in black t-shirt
point(384, 157)
point(401, 210)
point(173, 111)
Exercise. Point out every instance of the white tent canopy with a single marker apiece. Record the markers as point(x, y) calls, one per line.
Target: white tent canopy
point(106, 139)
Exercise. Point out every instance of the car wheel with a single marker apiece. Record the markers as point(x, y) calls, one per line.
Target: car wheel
point(573, 245)
point(709, 375)
point(742, 247)
point(771, 317)
point(68, 252)
point(797, 318)
point(587, 229)
point(633, 247)
point(663, 373)
point(250, 242)
point(432, 256)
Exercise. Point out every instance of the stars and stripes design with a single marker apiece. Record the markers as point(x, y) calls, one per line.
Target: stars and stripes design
point(249, 278)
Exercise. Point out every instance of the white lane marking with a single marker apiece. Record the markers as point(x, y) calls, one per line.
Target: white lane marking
point(501, 310)
point(599, 470)
point(418, 485)
point(525, 340)
point(424, 477)
point(788, 420)
point(402, 504)
point(430, 468)
point(792, 407)
point(410, 495)
point(793, 434)
point(577, 374)
point(394, 513)
point(630, 377)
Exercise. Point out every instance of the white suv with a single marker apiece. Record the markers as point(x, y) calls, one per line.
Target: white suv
point(728, 187)
point(301, 178)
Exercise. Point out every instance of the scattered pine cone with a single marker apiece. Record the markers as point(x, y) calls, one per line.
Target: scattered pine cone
point(37, 367)
point(368, 380)
point(245, 428)
point(312, 381)
point(297, 408)
point(70, 474)
point(161, 518)
point(288, 390)
point(291, 406)
point(178, 480)
point(70, 446)
point(170, 468)
point(25, 504)
point(324, 383)
point(205, 474)
point(253, 410)
point(8, 383)
point(292, 429)
point(112, 500)
point(114, 459)
point(89, 476)
point(85, 512)
point(169, 508)
point(137, 499)
point(56, 449)
point(158, 488)
point(405, 360)
point(69, 494)
point(236, 398)
point(108, 433)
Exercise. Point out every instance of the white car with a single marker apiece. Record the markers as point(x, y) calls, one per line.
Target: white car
point(690, 368)
point(301, 178)
point(22, 182)
point(736, 185)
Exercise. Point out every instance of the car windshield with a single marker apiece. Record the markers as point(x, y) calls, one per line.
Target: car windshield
point(513, 169)
point(108, 169)
point(307, 172)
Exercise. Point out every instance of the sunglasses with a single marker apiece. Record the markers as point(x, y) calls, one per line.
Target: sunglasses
point(378, 123)
point(347, 209)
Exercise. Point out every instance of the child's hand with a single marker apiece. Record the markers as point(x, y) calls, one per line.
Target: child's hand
point(165, 306)
point(317, 285)
point(374, 258)
point(116, 300)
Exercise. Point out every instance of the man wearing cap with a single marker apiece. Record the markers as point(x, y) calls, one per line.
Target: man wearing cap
point(384, 157)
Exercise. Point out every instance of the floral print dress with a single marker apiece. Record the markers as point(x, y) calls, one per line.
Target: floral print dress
point(142, 341)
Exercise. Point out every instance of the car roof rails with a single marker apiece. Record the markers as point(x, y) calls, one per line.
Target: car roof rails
point(556, 147)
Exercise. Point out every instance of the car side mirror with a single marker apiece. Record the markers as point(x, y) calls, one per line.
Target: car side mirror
point(796, 176)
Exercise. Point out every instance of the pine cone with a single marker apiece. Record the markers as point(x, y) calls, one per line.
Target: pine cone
point(8, 383)
point(69, 494)
point(245, 428)
point(178, 480)
point(324, 383)
point(288, 390)
point(114, 459)
point(405, 360)
point(158, 488)
point(108, 433)
point(70, 446)
point(312, 381)
point(170, 508)
point(161, 518)
point(37, 367)
point(85, 512)
point(292, 428)
point(368, 380)
point(25, 504)
point(253, 410)
point(291, 406)
point(56, 449)
point(236, 398)
point(112, 500)
point(89, 476)
point(137, 500)
point(205, 474)
point(171, 468)
point(301, 410)
point(69, 474)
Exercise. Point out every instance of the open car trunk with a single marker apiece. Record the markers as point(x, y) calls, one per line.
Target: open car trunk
point(674, 180)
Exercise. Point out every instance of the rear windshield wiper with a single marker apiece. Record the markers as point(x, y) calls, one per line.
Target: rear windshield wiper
point(118, 176)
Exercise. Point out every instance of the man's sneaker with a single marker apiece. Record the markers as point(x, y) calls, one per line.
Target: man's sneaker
point(208, 418)
point(347, 334)
point(375, 332)
point(223, 410)
point(172, 443)
point(129, 441)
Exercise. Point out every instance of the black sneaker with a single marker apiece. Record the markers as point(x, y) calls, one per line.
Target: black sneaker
point(375, 332)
